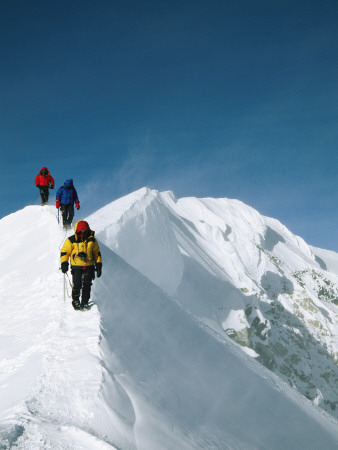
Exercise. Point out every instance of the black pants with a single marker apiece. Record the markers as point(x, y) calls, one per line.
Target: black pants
point(44, 194)
point(67, 214)
point(82, 283)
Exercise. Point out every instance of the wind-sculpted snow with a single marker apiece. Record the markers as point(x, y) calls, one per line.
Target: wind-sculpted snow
point(189, 387)
point(151, 365)
point(137, 227)
point(244, 273)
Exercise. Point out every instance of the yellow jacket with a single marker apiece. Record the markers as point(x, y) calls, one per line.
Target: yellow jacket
point(81, 253)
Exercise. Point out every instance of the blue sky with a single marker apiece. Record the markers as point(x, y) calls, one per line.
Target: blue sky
point(234, 99)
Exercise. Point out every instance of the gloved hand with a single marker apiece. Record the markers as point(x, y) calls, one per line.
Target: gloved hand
point(98, 268)
point(52, 187)
point(64, 266)
point(57, 203)
point(77, 205)
point(38, 186)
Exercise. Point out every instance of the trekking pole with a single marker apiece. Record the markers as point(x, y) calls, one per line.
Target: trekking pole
point(64, 287)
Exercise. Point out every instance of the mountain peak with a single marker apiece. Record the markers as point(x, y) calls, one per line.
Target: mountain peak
point(249, 275)
point(213, 327)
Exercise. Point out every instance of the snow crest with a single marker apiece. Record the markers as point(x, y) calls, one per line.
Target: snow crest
point(213, 327)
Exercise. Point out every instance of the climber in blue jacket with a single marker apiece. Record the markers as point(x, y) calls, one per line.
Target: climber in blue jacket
point(66, 196)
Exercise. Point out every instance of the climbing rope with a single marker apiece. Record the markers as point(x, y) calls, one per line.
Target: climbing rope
point(65, 290)
point(45, 209)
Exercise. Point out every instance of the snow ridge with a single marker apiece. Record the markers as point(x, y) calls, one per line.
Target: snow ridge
point(257, 282)
point(204, 309)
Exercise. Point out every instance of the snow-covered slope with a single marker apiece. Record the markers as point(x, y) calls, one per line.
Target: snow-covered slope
point(50, 362)
point(151, 365)
point(241, 274)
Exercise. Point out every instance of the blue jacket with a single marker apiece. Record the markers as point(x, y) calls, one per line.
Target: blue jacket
point(67, 194)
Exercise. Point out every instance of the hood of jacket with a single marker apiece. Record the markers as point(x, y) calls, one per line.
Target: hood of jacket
point(92, 233)
point(68, 183)
point(44, 168)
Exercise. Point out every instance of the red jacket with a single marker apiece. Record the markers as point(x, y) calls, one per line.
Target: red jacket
point(44, 180)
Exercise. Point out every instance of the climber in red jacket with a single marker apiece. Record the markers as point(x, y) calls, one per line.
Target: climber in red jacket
point(44, 181)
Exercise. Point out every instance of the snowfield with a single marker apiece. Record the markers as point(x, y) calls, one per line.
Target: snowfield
point(213, 328)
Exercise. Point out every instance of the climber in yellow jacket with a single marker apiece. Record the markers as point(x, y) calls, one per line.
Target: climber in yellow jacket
point(83, 251)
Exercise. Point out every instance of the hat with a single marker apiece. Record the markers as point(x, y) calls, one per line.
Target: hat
point(82, 226)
